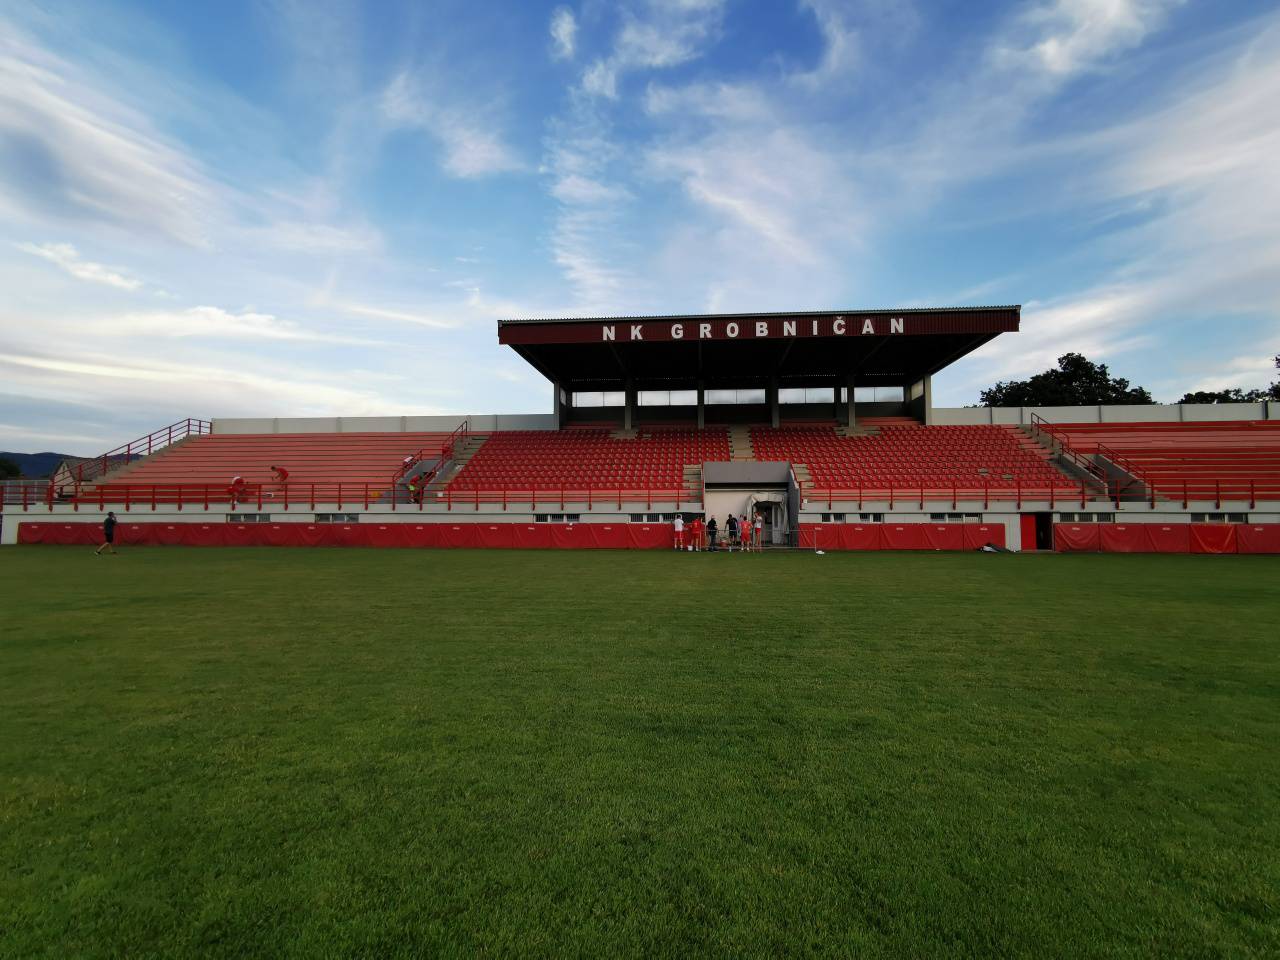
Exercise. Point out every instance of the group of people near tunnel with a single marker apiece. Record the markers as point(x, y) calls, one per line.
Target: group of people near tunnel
point(742, 533)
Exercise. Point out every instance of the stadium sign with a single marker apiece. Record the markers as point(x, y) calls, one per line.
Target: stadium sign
point(759, 327)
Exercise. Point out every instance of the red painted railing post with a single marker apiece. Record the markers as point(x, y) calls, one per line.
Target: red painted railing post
point(504, 498)
point(859, 494)
point(313, 496)
point(128, 500)
point(394, 493)
point(561, 496)
point(1184, 493)
point(1253, 503)
point(619, 498)
point(589, 496)
point(366, 495)
point(259, 498)
point(1053, 494)
point(986, 493)
point(153, 498)
point(26, 496)
point(339, 494)
point(1082, 494)
point(648, 498)
point(101, 494)
point(1018, 487)
point(1217, 494)
point(448, 494)
point(890, 497)
point(953, 494)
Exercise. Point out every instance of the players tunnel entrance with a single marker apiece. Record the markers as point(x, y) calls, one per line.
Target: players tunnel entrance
point(743, 488)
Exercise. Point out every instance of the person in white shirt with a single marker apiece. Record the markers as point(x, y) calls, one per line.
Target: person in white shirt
point(677, 526)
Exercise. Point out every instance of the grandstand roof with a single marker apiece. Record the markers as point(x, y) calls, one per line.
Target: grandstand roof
point(800, 348)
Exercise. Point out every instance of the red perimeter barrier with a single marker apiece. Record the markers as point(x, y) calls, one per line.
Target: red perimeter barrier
point(1213, 538)
point(1076, 537)
point(900, 536)
point(575, 536)
point(1258, 538)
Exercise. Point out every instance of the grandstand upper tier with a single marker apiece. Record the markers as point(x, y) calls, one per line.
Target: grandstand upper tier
point(354, 458)
point(906, 454)
point(591, 459)
point(1195, 460)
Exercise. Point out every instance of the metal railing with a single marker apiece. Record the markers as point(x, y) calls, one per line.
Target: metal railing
point(444, 453)
point(1061, 444)
point(205, 496)
point(90, 470)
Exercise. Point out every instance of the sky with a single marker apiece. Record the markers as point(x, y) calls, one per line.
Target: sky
point(315, 208)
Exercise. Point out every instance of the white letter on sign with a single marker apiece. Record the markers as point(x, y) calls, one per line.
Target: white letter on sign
point(788, 328)
point(608, 332)
point(867, 326)
point(762, 328)
point(677, 331)
point(704, 331)
point(731, 330)
point(636, 333)
point(838, 327)
point(895, 324)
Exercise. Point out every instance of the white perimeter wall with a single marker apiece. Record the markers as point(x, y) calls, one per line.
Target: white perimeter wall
point(479, 423)
point(488, 422)
point(1140, 413)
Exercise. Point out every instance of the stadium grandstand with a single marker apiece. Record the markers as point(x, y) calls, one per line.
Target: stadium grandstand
point(821, 423)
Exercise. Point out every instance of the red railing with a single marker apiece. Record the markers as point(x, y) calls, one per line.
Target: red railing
point(1060, 442)
point(443, 452)
point(1065, 491)
point(590, 497)
point(257, 497)
point(90, 470)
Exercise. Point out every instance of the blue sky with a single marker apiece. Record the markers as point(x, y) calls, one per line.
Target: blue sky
point(297, 207)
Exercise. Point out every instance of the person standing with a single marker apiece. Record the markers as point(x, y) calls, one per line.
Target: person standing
point(108, 534)
point(758, 540)
point(744, 530)
point(677, 529)
point(712, 530)
point(731, 535)
point(697, 534)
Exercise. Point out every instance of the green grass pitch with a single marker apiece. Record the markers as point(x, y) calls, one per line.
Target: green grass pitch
point(414, 753)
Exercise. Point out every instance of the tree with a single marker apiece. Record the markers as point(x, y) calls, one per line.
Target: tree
point(1076, 382)
point(8, 468)
point(1235, 394)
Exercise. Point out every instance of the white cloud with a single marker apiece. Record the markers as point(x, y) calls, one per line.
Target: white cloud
point(666, 33)
point(65, 256)
point(1062, 37)
point(419, 317)
point(214, 322)
point(472, 145)
point(564, 33)
point(74, 153)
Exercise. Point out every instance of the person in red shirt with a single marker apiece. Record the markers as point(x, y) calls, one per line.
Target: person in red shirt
point(280, 473)
point(695, 530)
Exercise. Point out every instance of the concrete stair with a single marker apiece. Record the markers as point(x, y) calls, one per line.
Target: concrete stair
point(462, 454)
point(692, 482)
point(740, 443)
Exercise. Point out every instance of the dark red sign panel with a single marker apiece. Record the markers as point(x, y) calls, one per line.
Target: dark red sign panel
point(782, 327)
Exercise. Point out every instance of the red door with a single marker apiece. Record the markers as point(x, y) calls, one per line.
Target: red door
point(1028, 531)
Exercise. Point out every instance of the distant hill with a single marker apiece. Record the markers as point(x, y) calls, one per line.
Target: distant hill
point(36, 465)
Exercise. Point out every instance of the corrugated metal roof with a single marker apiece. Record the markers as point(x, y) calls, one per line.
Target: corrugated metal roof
point(775, 313)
